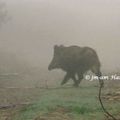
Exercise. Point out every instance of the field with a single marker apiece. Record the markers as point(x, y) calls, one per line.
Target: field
point(59, 103)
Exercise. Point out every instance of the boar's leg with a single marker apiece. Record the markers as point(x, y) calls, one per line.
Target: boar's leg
point(75, 81)
point(67, 77)
point(80, 77)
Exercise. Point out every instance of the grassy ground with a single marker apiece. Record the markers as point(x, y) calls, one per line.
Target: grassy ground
point(66, 103)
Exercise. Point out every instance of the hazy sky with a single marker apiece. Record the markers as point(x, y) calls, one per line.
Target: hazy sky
point(36, 25)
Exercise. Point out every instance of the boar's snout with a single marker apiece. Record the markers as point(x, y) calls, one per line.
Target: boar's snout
point(49, 67)
point(53, 65)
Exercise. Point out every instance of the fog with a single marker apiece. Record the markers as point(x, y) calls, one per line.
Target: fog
point(35, 26)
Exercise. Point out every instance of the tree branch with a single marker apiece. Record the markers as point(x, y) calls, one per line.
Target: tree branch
point(100, 100)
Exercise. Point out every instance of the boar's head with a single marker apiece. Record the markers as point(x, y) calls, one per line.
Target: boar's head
point(56, 61)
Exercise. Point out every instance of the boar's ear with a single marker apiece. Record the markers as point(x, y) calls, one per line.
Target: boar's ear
point(56, 47)
point(61, 46)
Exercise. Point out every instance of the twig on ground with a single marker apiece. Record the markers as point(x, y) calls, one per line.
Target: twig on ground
point(104, 109)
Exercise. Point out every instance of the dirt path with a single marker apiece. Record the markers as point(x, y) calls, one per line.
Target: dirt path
point(12, 99)
point(7, 114)
point(9, 111)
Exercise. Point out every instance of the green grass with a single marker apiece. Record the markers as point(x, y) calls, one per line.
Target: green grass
point(82, 102)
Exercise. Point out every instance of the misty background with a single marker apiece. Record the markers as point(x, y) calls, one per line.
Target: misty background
point(35, 26)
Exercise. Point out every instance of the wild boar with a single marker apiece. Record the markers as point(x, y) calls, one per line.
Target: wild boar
point(75, 60)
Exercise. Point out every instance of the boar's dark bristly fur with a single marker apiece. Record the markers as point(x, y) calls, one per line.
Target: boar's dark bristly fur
point(75, 60)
